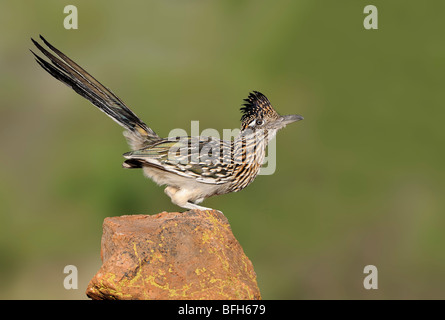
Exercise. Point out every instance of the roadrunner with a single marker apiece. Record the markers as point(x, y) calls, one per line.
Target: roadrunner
point(191, 168)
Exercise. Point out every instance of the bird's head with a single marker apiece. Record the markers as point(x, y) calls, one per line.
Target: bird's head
point(258, 114)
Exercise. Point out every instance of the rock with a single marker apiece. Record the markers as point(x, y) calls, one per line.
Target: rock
point(189, 255)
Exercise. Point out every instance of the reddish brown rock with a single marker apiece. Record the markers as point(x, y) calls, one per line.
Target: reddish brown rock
point(190, 255)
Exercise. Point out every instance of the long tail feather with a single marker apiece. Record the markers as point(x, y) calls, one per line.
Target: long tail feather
point(67, 71)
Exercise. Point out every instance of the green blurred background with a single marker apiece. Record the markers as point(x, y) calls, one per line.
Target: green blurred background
point(360, 181)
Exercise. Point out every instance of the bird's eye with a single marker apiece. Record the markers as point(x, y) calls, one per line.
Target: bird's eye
point(259, 122)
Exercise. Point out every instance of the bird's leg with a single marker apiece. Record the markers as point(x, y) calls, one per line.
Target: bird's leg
point(181, 197)
point(171, 191)
point(195, 204)
point(192, 206)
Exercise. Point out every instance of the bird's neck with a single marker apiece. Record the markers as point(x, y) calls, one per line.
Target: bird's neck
point(250, 146)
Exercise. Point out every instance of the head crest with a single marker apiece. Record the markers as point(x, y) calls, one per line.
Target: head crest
point(256, 106)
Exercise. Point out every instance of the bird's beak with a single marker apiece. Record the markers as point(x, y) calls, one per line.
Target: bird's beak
point(290, 118)
point(282, 121)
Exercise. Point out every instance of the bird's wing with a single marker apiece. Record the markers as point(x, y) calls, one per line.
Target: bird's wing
point(204, 159)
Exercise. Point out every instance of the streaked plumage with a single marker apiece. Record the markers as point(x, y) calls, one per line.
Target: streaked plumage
point(192, 168)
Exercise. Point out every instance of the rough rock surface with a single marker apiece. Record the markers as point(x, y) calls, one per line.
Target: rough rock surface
point(189, 255)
